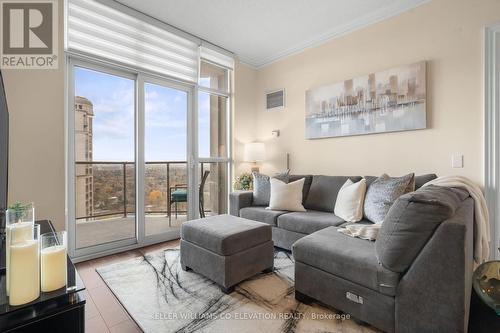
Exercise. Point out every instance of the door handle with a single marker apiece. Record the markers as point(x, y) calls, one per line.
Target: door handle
point(191, 161)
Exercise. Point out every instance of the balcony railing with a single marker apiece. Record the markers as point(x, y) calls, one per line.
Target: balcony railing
point(127, 206)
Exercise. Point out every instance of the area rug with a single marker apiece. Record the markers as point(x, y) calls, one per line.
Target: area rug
point(161, 297)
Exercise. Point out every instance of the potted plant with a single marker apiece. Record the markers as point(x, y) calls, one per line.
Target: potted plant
point(20, 212)
point(243, 182)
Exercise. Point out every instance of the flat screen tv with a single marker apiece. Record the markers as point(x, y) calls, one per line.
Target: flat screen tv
point(4, 163)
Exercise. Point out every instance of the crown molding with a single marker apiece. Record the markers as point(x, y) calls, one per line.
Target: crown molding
point(360, 23)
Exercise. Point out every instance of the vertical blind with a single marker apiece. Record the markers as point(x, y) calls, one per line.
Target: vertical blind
point(106, 32)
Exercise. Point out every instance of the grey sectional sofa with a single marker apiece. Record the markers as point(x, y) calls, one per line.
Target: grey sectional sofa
point(319, 195)
point(415, 278)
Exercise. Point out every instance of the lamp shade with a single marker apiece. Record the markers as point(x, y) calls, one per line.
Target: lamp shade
point(255, 152)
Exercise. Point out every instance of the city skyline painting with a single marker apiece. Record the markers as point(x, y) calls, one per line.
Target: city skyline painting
point(387, 101)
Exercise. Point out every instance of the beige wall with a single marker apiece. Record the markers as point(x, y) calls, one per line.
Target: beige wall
point(35, 100)
point(446, 33)
point(244, 115)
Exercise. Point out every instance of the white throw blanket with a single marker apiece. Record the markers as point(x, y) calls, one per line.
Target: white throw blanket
point(363, 231)
point(481, 217)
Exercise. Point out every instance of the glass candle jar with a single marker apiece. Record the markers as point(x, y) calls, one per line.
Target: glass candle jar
point(24, 267)
point(53, 261)
point(19, 227)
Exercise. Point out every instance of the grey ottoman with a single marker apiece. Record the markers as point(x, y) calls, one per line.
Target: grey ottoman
point(226, 249)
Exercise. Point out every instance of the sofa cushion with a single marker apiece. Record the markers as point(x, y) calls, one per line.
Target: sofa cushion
point(369, 180)
point(261, 214)
point(308, 222)
point(307, 184)
point(349, 204)
point(419, 180)
point(422, 179)
point(352, 259)
point(411, 221)
point(323, 192)
point(262, 186)
point(225, 234)
point(383, 192)
point(286, 196)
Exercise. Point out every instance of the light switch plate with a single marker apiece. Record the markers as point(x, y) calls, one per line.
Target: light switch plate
point(457, 161)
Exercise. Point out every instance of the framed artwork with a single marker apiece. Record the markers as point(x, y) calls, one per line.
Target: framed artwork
point(387, 101)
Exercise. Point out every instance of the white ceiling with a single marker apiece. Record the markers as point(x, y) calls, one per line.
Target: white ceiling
point(260, 32)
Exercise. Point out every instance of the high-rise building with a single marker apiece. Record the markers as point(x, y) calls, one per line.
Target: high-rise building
point(83, 153)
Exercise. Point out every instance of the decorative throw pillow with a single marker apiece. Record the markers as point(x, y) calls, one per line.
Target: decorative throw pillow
point(382, 193)
point(349, 204)
point(286, 196)
point(262, 187)
point(411, 184)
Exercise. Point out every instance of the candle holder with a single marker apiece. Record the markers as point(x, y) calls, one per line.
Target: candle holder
point(24, 266)
point(53, 261)
point(19, 219)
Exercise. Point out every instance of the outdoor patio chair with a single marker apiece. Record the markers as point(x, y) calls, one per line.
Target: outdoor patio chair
point(178, 194)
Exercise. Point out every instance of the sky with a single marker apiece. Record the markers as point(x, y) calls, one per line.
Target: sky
point(165, 118)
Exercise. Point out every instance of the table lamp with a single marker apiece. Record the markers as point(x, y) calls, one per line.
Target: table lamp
point(255, 152)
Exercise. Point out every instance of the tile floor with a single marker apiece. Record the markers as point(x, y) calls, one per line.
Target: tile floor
point(103, 311)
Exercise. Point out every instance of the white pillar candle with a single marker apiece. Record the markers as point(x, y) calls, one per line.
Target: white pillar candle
point(53, 267)
point(24, 272)
point(15, 233)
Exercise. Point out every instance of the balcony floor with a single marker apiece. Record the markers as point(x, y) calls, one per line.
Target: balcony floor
point(118, 228)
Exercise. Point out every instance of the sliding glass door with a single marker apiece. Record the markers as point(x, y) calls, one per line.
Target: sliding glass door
point(167, 171)
point(141, 158)
point(130, 142)
point(103, 120)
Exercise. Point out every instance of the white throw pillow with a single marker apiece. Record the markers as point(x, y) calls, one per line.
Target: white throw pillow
point(349, 204)
point(286, 196)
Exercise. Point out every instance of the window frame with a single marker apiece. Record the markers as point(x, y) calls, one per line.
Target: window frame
point(228, 96)
point(193, 160)
point(228, 160)
point(221, 92)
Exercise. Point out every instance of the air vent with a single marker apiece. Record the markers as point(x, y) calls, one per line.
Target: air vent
point(275, 100)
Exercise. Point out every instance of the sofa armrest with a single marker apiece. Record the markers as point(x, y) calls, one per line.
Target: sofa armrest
point(434, 294)
point(239, 200)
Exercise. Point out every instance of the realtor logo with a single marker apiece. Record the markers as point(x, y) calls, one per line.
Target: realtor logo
point(29, 34)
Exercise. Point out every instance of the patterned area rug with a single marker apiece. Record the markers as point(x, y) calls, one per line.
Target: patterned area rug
point(161, 297)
